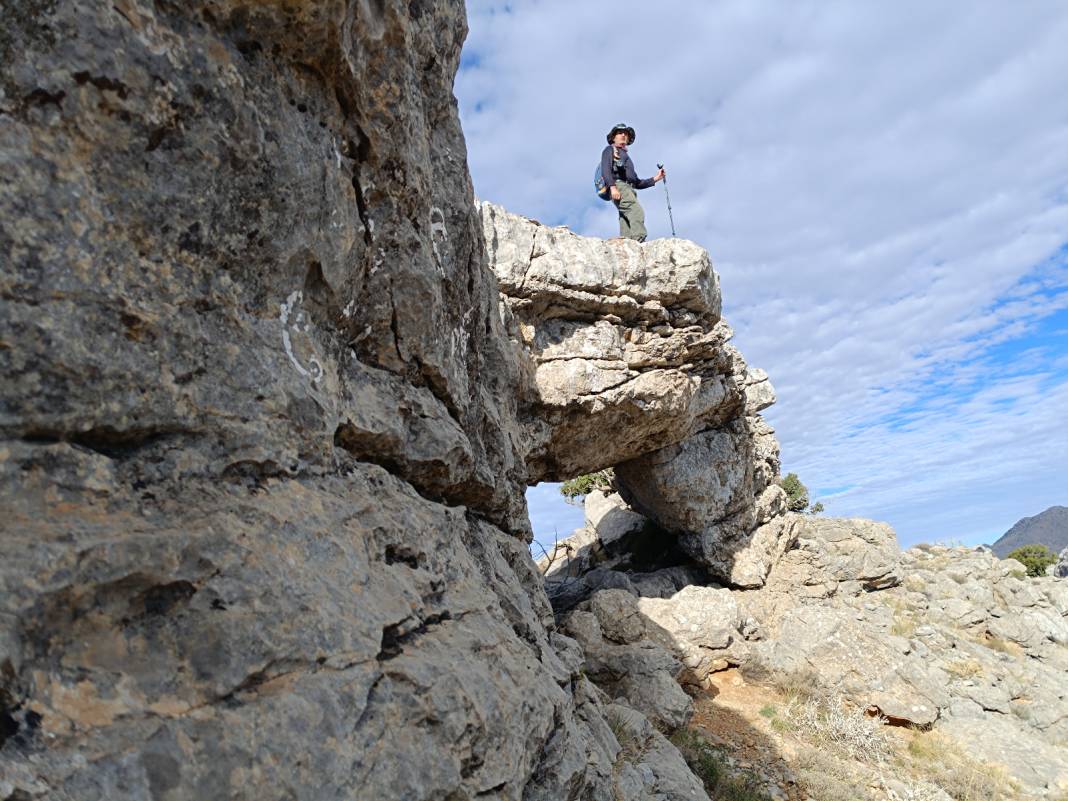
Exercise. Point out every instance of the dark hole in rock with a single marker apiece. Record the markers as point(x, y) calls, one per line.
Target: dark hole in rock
point(16, 725)
point(249, 48)
point(103, 83)
point(398, 553)
point(136, 328)
point(394, 638)
point(316, 289)
point(190, 240)
point(9, 727)
point(162, 599)
point(40, 97)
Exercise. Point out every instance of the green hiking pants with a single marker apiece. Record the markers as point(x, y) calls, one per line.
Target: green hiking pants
point(631, 213)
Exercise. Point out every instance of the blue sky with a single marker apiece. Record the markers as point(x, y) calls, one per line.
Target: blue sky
point(883, 189)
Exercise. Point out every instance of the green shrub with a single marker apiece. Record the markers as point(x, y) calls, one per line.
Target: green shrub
point(1036, 558)
point(796, 492)
point(710, 765)
point(576, 488)
point(630, 749)
point(797, 495)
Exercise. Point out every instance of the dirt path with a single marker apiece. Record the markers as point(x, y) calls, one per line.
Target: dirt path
point(729, 715)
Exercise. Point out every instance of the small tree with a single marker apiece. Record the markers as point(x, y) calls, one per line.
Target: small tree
point(797, 495)
point(1036, 558)
point(796, 492)
point(575, 489)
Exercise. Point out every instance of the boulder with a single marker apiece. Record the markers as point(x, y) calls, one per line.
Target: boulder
point(623, 343)
point(1060, 568)
point(640, 672)
point(610, 516)
point(838, 555)
point(700, 624)
point(996, 740)
point(828, 646)
point(649, 766)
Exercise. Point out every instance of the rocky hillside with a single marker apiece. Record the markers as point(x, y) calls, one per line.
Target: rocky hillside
point(951, 641)
point(1049, 528)
point(274, 387)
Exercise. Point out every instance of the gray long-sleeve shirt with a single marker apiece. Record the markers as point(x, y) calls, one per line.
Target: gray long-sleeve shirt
point(626, 166)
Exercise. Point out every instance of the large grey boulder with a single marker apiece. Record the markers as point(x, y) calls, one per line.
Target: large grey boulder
point(700, 624)
point(648, 765)
point(828, 646)
point(714, 489)
point(627, 663)
point(611, 517)
point(623, 343)
point(1060, 569)
point(837, 555)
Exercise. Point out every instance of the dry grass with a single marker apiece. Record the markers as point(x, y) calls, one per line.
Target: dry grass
point(801, 684)
point(914, 584)
point(964, 668)
point(834, 780)
point(903, 626)
point(935, 563)
point(1021, 708)
point(1001, 645)
point(830, 723)
point(907, 616)
point(942, 763)
point(630, 748)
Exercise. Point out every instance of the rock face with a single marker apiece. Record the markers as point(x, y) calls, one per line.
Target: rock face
point(1060, 568)
point(267, 421)
point(631, 367)
point(624, 341)
point(949, 638)
point(262, 458)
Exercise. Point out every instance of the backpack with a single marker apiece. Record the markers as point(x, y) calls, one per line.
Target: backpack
point(603, 192)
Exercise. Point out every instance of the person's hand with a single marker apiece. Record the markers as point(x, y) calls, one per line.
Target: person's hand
point(615, 193)
point(659, 176)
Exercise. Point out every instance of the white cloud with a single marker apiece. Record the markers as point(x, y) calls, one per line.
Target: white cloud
point(882, 188)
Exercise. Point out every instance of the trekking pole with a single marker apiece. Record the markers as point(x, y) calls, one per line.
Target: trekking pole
point(668, 196)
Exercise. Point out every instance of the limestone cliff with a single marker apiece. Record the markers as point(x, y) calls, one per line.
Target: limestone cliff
point(275, 385)
point(262, 463)
point(632, 368)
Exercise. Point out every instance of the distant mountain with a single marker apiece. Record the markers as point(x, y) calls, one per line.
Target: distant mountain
point(1050, 528)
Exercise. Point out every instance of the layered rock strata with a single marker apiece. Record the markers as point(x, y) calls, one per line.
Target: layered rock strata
point(632, 368)
point(262, 462)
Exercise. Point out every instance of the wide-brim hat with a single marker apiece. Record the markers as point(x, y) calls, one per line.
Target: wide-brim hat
point(625, 129)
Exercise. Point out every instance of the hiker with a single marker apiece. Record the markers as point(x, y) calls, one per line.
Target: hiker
point(619, 176)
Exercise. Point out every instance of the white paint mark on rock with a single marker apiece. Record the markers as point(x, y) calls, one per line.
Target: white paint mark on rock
point(314, 370)
point(438, 227)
